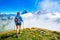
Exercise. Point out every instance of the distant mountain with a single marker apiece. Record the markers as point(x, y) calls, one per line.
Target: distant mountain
point(39, 12)
point(11, 14)
point(24, 12)
point(6, 16)
point(57, 20)
point(2, 15)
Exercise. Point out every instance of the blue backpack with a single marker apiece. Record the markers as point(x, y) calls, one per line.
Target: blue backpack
point(18, 19)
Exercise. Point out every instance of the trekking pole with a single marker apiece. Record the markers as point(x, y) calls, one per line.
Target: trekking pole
point(23, 25)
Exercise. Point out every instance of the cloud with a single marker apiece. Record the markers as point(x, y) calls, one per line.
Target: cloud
point(57, 20)
point(32, 20)
point(40, 21)
point(27, 15)
point(56, 15)
point(49, 5)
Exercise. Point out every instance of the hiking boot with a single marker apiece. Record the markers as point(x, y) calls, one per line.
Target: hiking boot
point(16, 36)
point(19, 33)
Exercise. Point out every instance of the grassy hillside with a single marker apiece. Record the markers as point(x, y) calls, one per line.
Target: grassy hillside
point(31, 34)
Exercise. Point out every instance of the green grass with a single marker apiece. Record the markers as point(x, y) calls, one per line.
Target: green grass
point(31, 34)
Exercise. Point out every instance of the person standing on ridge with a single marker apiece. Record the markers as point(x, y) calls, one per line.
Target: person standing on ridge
point(18, 22)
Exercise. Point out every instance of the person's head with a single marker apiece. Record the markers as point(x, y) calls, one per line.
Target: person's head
point(18, 13)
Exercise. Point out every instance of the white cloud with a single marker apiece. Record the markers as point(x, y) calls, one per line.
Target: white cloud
point(30, 20)
point(27, 16)
point(49, 5)
point(56, 15)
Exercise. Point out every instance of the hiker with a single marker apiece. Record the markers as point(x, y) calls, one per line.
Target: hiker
point(18, 21)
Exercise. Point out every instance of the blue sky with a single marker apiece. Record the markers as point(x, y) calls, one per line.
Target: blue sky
point(20, 5)
point(17, 5)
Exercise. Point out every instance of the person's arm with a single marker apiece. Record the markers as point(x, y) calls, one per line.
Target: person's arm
point(21, 19)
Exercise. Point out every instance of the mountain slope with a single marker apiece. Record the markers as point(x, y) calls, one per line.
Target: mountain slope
point(35, 34)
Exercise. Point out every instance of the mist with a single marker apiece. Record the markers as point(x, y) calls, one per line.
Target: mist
point(47, 18)
point(49, 5)
point(42, 21)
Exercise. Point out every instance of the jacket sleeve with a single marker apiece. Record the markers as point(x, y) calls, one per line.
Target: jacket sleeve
point(21, 19)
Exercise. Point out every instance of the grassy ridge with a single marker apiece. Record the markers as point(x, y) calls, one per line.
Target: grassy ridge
point(7, 34)
point(31, 34)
